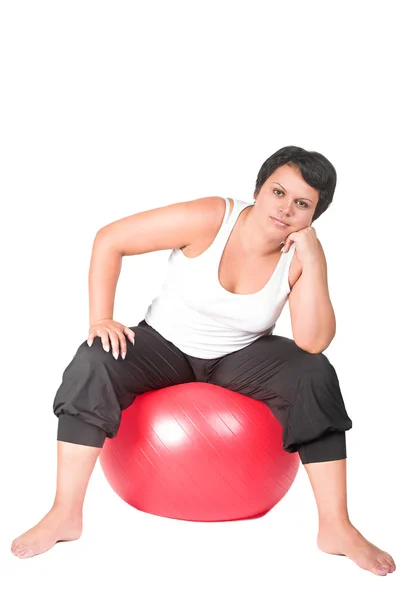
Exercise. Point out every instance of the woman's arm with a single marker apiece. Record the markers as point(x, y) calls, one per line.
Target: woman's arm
point(163, 228)
point(311, 311)
point(105, 267)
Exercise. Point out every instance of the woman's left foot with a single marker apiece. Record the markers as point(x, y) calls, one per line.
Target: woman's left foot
point(346, 540)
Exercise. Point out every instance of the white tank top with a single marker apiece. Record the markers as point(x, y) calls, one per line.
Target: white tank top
point(201, 317)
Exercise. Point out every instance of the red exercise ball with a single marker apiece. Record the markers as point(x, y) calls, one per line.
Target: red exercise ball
point(199, 452)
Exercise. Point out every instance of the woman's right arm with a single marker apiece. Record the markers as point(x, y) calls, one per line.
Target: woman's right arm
point(167, 227)
point(105, 267)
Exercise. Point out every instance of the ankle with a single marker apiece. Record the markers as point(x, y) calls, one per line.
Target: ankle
point(334, 521)
point(67, 510)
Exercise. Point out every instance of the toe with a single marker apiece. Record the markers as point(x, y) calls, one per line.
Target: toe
point(392, 566)
point(15, 549)
point(381, 569)
point(391, 562)
point(14, 544)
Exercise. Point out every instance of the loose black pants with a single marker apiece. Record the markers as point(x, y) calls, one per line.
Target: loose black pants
point(301, 389)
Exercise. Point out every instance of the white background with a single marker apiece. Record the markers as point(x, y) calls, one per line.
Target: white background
point(111, 108)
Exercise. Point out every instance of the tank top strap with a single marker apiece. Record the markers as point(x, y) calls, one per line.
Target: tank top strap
point(227, 209)
point(227, 225)
point(229, 220)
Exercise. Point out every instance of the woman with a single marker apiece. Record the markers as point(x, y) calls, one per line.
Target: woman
point(228, 280)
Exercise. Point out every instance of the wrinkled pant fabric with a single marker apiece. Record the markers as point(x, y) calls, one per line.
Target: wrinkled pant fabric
point(301, 389)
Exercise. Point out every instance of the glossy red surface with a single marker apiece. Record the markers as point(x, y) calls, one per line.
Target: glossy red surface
point(199, 452)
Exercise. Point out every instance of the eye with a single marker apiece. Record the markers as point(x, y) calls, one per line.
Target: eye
point(305, 205)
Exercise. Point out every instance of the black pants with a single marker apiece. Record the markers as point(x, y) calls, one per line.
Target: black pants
point(300, 388)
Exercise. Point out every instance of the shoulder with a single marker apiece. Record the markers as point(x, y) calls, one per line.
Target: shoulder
point(213, 206)
point(209, 213)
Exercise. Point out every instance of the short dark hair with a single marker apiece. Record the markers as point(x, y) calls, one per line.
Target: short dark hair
point(316, 170)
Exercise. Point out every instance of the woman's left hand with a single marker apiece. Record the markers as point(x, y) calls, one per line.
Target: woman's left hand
point(307, 244)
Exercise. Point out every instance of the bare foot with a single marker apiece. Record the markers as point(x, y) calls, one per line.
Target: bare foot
point(56, 526)
point(346, 540)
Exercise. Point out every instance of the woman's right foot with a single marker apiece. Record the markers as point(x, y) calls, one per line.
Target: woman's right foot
point(56, 526)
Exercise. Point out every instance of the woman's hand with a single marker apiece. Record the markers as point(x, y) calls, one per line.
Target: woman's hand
point(108, 328)
point(307, 245)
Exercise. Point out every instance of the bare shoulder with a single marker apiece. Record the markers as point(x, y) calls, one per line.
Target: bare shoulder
point(213, 208)
point(166, 227)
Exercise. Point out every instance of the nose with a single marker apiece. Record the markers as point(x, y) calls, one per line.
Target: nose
point(286, 209)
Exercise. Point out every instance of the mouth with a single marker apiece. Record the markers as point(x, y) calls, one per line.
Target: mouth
point(279, 223)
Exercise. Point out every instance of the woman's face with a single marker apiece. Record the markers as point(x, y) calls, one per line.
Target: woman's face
point(286, 196)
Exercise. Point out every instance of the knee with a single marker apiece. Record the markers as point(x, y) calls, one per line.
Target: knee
point(319, 381)
point(317, 365)
point(295, 357)
point(94, 353)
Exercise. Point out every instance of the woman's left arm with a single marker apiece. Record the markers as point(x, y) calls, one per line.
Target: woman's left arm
point(311, 311)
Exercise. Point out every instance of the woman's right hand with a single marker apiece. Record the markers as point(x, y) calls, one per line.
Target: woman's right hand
point(108, 329)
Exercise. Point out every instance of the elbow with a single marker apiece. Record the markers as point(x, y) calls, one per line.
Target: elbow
point(309, 349)
point(101, 232)
point(317, 344)
point(105, 237)
point(313, 348)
